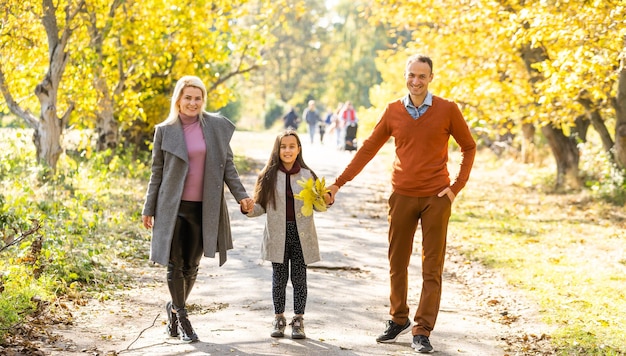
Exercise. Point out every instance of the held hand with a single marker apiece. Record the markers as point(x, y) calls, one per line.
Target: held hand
point(328, 199)
point(333, 192)
point(449, 193)
point(243, 206)
point(250, 205)
point(147, 221)
point(247, 205)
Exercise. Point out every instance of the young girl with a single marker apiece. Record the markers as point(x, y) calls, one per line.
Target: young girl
point(289, 239)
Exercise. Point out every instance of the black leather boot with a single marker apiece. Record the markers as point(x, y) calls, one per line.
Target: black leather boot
point(187, 334)
point(172, 321)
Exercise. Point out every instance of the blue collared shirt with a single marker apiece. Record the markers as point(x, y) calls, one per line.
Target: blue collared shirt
point(416, 112)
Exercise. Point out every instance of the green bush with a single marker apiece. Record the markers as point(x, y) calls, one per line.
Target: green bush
point(20, 263)
point(232, 110)
point(275, 110)
point(601, 175)
point(64, 231)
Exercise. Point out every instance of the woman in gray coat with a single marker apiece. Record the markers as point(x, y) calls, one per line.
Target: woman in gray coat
point(185, 205)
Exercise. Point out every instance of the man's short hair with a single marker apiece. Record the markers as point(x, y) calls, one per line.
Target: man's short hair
point(419, 58)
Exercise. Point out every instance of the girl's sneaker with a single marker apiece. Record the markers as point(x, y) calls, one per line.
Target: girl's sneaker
point(297, 328)
point(279, 326)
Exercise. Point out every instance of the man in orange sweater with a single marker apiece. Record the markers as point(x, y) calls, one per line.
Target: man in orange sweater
point(421, 125)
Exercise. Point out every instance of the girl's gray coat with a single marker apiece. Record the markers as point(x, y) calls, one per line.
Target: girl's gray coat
point(169, 168)
point(273, 246)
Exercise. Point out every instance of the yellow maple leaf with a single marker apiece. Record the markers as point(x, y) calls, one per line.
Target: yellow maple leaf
point(312, 195)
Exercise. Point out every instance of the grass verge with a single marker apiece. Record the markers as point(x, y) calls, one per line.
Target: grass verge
point(565, 251)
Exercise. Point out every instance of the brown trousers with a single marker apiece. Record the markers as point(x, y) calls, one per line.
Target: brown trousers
point(404, 214)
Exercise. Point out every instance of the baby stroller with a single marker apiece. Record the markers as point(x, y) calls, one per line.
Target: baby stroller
point(351, 144)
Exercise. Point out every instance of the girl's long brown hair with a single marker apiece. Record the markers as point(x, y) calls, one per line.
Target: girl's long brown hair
point(265, 189)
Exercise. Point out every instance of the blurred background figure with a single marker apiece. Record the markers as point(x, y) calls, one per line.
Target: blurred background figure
point(312, 118)
point(350, 126)
point(336, 124)
point(291, 120)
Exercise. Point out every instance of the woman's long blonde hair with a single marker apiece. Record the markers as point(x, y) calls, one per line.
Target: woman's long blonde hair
point(184, 82)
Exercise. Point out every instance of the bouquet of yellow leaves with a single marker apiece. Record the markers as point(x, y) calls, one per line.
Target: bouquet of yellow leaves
point(312, 195)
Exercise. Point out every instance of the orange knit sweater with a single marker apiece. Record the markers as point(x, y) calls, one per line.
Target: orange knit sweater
point(420, 167)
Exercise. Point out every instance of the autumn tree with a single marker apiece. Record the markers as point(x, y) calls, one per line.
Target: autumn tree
point(140, 49)
point(320, 53)
point(473, 64)
point(121, 59)
point(102, 25)
point(351, 49)
point(619, 103)
point(573, 49)
point(295, 60)
point(58, 22)
point(514, 65)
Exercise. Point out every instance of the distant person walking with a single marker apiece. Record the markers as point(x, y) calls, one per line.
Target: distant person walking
point(289, 238)
point(421, 125)
point(348, 114)
point(336, 125)
point(291, 120)
point(350, 126)
point(185, 206)
point(312, 118)
point(322, 129)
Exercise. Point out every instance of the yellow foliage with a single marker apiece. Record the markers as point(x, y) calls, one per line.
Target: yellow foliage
point(134, 51)
point(477, 51)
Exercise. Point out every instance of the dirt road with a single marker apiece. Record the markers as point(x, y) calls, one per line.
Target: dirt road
point(231, 307)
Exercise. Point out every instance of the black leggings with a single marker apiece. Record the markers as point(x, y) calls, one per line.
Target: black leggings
point(186, 252)
point(293, 253)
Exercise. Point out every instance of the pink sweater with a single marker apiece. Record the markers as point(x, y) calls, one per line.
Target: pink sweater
point(196, 150)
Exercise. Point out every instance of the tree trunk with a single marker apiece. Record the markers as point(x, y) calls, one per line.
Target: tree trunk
point(528, 143)
point(595, 117)
point(619, 103)
point(106, 124)
point(48, 127)
point(563, 148)
point(107, 127)
point(47, 135)
point(581, 127)
point(598, 124)
point(565, 152)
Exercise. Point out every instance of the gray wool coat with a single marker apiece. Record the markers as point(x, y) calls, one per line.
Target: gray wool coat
point(169, 168)
point(274, 234)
